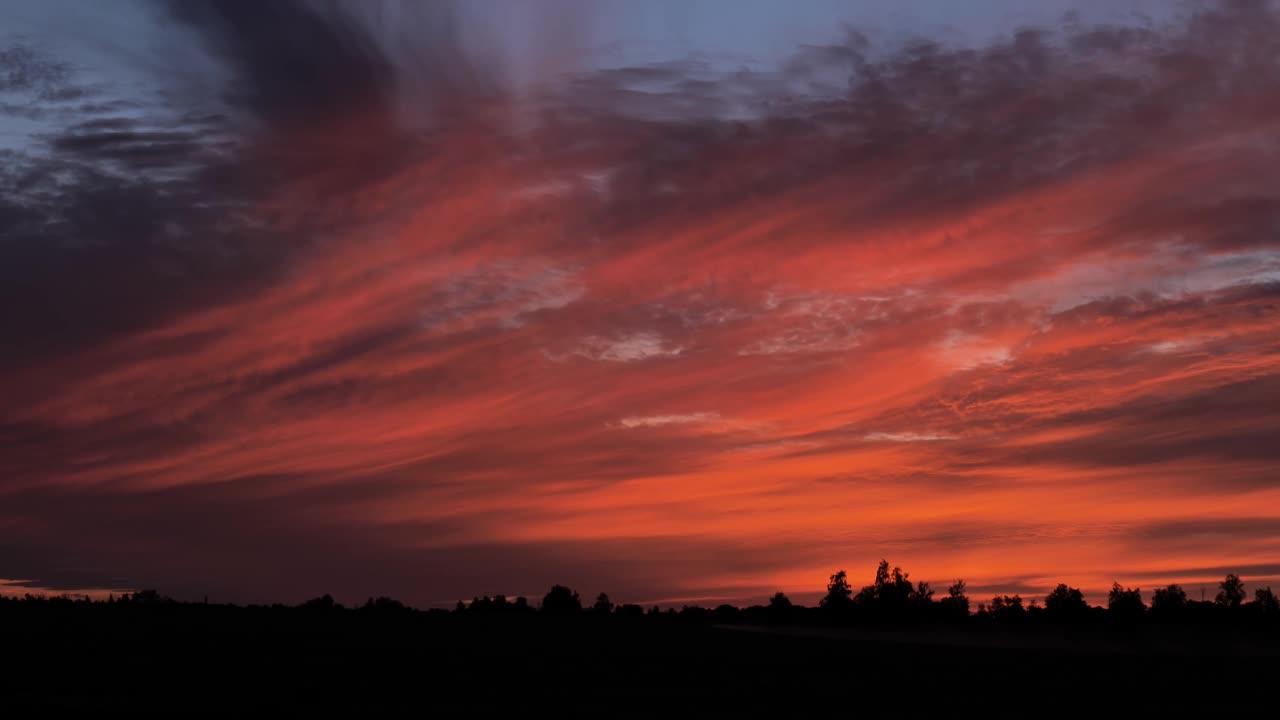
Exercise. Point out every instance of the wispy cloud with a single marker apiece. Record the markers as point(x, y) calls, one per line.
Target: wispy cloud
point(660, 420)
point(628, 348)
point(906, 437)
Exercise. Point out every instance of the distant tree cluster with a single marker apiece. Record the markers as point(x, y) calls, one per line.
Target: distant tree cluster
point(891, 599)
point(498, 604)
point(891, 595)
point(1125, 604)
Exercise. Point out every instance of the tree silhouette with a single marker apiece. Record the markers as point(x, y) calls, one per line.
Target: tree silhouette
point(153, 597)
point(923, 594)
point(780, 608)
point(1065, 601)
point(383, 605)
point(560, 600)
point(602, 605)
point(1266, 601)
point(956, 603)
point(725, 613)
point(1125, 602)
point(891, 592)
point(839, 594)
point(321, 604)
point(1168, 599)
point(1005, 606)
point(498, 604)
point(1230, 591)
point(629, 610)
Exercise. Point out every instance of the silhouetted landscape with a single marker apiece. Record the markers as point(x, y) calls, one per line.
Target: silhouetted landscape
point(893, 643)
point(711, 304)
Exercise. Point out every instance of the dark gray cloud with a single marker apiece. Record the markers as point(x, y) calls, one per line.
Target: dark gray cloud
point(293, 60)
point(24, 70)
point(137, 211)
point(1227, 531)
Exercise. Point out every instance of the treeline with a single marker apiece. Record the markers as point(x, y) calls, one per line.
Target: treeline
point(891, 599)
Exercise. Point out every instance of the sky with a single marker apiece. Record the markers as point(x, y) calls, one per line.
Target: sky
point(683, 302)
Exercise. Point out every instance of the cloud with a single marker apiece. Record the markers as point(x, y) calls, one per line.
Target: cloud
point(317, 312)
point(629, 348)
point(906, 437)
point(660, 420)
point(28, 72)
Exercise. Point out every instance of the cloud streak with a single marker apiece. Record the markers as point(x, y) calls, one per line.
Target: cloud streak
point(366, 323)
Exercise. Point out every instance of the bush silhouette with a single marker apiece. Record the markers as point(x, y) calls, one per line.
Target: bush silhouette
point(151, 597)
point(383, 605)
point(560, 600)
point(780, 608)
point(324, 603)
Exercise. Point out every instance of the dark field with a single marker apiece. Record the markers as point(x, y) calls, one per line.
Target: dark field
point(216, 660)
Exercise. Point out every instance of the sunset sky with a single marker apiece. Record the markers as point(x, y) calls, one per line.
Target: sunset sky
point(685, 302)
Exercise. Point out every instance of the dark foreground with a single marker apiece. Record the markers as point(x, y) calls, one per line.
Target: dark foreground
point(209, 663)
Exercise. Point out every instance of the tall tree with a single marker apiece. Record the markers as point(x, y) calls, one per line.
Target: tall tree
point(956, 603)
point(839, 594)
point(1230, 591)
